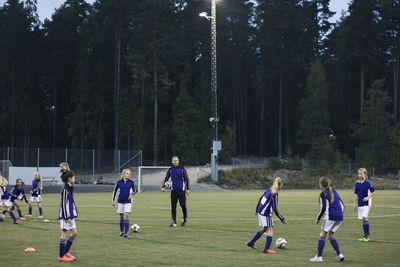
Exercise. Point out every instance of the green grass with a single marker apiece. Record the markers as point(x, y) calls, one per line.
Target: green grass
point(220, 224)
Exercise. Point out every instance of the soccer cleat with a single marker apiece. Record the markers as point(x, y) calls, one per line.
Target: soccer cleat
point(69, 255)
point(251, 246)
point(316, 259)
point(16, 222)
point(127, 237)
point(269, 251)
point(183, 223)
point(22, 218)
point(121, 234)
point(65, 258)
point(364, 239)
point(172, 225)
point(40, 216)
point(340, 257)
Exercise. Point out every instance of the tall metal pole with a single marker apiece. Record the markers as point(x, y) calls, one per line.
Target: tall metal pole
point(214, 101)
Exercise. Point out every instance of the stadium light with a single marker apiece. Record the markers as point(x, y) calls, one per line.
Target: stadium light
point(214, 119)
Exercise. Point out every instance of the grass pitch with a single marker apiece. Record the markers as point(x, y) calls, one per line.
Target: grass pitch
point(220, 224)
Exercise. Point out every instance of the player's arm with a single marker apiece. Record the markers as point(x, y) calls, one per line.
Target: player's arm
point(64, 204)
point(12, 192)
point(275, 207)
point(258, 203)
point(132, 191)
point(36, 188)
point(322, 204)
point(115, 193)
point(186, 180)
point(372, 189)
point(166, 179)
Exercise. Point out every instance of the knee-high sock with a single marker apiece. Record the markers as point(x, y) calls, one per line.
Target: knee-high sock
point(321, 244)
point(335, 245)
point(30, 210)
point(4, 212)
point(12, 215)
point(40, 211)
point(126, 223)
point(121, 224)
point(366, 228)
point(256, 237)
point(268, 242)
point(68, 245)
point(62, 248)
point(19, 213)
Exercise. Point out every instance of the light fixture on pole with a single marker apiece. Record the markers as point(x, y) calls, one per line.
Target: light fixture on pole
point(214, 108)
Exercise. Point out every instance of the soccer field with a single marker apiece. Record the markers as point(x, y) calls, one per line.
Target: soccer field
point(220, 224)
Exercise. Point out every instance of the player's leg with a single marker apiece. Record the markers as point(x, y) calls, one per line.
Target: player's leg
point(64, 235)
point(121, 224)
point(19, 210)
point(30, 204)
point(334, 242)
point(270, 236)
point(70, 240)
point(39, 204)
point(174, 200)
point(365, 223)
point(325, 228)
point(182, 203)
point(126, 221)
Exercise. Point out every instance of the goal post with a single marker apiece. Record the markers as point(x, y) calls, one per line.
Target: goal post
point(151, 176)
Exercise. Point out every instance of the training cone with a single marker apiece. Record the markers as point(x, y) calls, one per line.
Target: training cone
point(30, 249)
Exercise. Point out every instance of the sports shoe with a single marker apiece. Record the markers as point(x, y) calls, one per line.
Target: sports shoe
point(69, 255)
point(121, 234)
point(22, 218)
point(340, 257)
point(172, 225)
point(65, 258)
point(127, 237)
point(269, 251)
point(251, 246)
point(183, 223)
point(316, 259)
point(40, 216)
point(16, 222)
point(364, 239)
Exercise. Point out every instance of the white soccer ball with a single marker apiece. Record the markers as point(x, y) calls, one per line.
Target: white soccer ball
point(135, 228)
point(167, 185)
point(2, 217)
point(281, 243)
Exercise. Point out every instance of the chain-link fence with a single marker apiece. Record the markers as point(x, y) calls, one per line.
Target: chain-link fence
point(90, 165)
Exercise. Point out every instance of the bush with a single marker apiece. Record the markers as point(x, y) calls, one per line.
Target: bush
point(294, 164)
point(274, 164)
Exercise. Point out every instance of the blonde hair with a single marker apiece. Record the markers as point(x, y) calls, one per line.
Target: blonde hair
point(277, 185)
point(3, 181)
point(64, 164)
point(40, 179)
point(124, 171)
point(325, 182)
point(364, 171)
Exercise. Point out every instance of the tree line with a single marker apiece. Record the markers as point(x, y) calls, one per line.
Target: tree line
point(121, 74)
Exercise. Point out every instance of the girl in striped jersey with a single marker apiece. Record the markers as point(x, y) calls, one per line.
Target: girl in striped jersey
point(36, 194)
point(5, 198)
point(332, 206)
point(18, 192)
point(67, 215)
point(267, 204)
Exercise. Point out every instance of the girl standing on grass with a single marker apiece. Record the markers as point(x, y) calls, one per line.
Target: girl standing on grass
point(5, 198)
point(363, 192)
point(36, 194)
point(18, 192)
point(332, 206)
point(125, 188)
point(267, 204)
point(67, 215)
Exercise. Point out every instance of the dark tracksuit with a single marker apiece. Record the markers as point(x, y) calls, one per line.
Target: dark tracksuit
point(179, 185)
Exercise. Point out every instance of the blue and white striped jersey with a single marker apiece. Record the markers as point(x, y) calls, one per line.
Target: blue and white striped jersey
point(68, 208)
point(4, 192)
point(362, 190)
point(36, 188)
point(333, 211)
point(17, 192)
point(124, 189)
point(267, 204)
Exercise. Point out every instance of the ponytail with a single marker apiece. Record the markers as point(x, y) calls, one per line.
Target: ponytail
point(40, 180)
point(276, 185)
point(325, 183)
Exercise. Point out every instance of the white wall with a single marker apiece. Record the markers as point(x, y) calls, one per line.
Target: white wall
point(26, 174)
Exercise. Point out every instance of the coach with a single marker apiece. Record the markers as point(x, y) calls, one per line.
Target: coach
point(179, 189)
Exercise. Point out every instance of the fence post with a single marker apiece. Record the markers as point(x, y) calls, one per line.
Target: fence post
point(198, 173)
point(66, 155)
point(8, 153)
point(373, 171)
point(140, 179)
point(119, 162)
point(349, 168)
point(93, 164)
point(38, 159)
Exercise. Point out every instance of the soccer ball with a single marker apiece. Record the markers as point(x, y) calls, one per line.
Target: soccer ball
point(2, 217)
point(281, 243)
point(135, 228)
point(167, 185)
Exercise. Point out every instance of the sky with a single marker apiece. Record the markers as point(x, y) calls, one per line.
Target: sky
point(46, 7)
